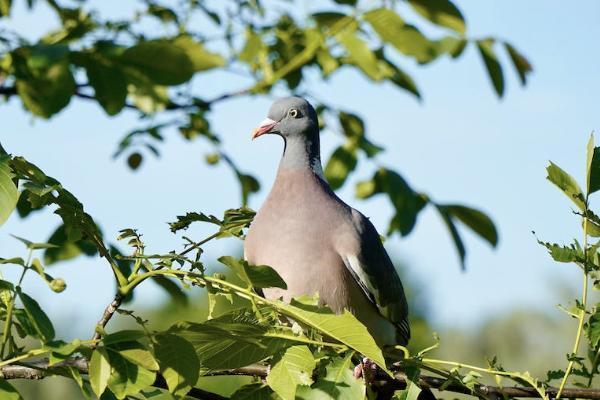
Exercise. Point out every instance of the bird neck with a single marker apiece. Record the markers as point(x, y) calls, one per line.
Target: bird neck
point(302, 152)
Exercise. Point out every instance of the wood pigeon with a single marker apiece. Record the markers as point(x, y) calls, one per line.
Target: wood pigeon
point(315, 241)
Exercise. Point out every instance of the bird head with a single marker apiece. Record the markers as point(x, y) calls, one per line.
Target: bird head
point(289, 117)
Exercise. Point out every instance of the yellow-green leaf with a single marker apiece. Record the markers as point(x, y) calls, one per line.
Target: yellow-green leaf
point(8, 191)
point(99, 371)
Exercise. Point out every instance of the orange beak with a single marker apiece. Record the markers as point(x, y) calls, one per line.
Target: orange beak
point(265, 127)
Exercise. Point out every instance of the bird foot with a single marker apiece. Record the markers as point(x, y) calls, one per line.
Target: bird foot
point(367, 369)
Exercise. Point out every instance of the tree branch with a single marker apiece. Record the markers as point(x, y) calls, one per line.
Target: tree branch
point(40, 370)
point(107, 315)
point(383, 383)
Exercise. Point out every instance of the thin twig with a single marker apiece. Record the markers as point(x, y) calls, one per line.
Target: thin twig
point(107, 315)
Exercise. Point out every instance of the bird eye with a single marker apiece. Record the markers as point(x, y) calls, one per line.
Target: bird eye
point(294, 113)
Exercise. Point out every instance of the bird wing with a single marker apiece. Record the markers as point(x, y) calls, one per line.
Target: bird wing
point(374, 272)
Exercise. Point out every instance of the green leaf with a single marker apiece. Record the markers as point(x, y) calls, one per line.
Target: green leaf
point(254, 391)
point(593, 328)
point(134, 352)
point(66, 249)
point(480, 223)
point(592, 167)
point(407, 203)
point(108, 80)
point(126, 335)
point(221, 343)
point(127, 378)
point(458, 243)
point(47, 94)
point(338, 383)
point(440, 12)
point(520, 63)
point(99, 370)
point(178, 362)
point(340, 164)
point(360, 54)
point(8, 392)
point(565, 254)
point(37, 317)
point(567, 184)
point(494, 69)
point(412, 390)
point(9, 195)
point(259, 276)
point(174, 67)
point(5, 7)
point(404, 37)
point(344, 327)
point(200, 58)
point(291, 369)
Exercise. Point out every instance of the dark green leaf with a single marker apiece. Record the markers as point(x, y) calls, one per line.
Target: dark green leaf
point(8, 191)
point(567, 184)
point(173, 289)
point(254, 391)
point(178, 362)
point(592, 167)
point(108, 81)
point(184, 221)
point(407, 203)
point(494, 69)
point(521, 64)
point(440, 12)
point(476, 220)
point(38, 318)
point(47, 94)
point(449, 221)
point(66, 249)
point(161, 61)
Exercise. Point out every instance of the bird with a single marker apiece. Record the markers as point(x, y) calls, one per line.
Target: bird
point(315, 241)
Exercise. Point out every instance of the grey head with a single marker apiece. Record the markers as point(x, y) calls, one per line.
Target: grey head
point(295, 120)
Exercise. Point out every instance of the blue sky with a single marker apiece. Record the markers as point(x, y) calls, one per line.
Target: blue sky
point(460, 144)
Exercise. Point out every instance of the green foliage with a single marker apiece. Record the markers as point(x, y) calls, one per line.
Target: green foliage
point(8, 191)
point(292, 368)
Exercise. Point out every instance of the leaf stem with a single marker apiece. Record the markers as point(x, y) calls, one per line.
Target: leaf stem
point(582, 311)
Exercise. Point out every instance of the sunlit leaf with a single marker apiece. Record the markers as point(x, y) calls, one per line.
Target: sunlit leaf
point(259, 276)
point(178, 362)
point(340, 164)
point(8, 392)
point(99, 371)
point(294, 367)
point(440, 12)
point(338, 383)
point(406, 38)
point(8, 191)
point(567, 184)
